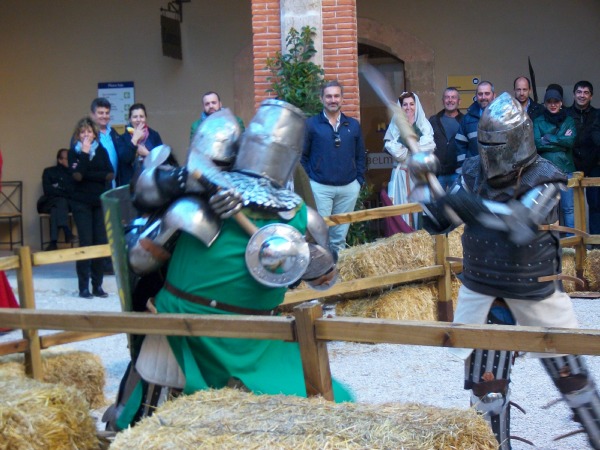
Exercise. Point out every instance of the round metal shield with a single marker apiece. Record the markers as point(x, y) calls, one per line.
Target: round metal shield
point(277, 255)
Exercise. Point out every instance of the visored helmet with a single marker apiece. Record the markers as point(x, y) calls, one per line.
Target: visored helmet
point(505, 138)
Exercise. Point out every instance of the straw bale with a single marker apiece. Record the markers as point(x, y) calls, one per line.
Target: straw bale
point(82, 370)
point(568, 268)
point(41, 416)
point(407, 302)
point(591, 271)
point(398, 252)
point(231, 419)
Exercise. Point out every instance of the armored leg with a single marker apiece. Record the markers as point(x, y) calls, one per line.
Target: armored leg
point(570, 375)
point(136, 399)
point(487, 374)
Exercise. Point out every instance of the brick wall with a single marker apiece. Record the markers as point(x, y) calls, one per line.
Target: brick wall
point(266, 40)
point(340, 59)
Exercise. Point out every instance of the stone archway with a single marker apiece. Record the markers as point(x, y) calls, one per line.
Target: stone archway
point(418, 58)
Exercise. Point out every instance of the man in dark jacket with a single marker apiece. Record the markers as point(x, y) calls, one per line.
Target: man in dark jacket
point(58, 184)
point(586, 152)
point(334, 159)
point(111, 141)
point(466, 138)
point(522, 88)
point(445, 125)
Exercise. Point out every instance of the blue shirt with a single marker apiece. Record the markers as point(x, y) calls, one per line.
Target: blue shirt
point(107, 143)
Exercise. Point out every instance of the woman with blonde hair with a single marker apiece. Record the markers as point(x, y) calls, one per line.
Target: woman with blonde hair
point(93, 173)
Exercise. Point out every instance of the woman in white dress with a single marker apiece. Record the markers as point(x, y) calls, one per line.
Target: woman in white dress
point(400, 183)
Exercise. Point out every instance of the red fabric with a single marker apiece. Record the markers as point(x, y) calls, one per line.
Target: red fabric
point(395, 224)
point(7, 298)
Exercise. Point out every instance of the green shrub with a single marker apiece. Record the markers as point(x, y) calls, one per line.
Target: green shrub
point(294, 78)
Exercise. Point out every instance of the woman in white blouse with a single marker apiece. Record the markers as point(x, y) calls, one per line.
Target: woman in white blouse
point(400, 183)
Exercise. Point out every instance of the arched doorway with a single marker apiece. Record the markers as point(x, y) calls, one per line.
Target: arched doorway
point(373, 113)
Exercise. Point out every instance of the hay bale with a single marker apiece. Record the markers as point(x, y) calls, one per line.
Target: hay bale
point(408, 302)
point(82, 370)
point(35, 415)
point(591, 272)
point(231, 419)
point(398, 252)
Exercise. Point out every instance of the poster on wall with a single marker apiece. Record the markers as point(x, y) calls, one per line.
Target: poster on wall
point(121, 95)
point(466, 86)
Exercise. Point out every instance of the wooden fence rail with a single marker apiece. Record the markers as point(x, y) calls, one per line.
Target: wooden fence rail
point(305, 326)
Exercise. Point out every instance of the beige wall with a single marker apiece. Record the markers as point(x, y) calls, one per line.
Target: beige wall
point(53, 54)
point(494, 38)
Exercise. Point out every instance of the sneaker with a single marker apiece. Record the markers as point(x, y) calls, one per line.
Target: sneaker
point(99, 292)
point(51, 246)
point(85, 293)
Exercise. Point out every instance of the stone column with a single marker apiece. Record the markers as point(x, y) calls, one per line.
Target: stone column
point(335, 21)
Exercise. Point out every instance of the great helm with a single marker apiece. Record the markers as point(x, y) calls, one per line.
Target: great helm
point(217, 137)
point(272, 144)
point(505, 138)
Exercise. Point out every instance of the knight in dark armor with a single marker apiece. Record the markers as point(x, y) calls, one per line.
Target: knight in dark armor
point(507, 197)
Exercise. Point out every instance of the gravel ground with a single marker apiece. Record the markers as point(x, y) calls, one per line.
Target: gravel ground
point(376, 373)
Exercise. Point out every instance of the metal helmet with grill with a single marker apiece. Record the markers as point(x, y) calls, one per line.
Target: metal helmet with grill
point(272, 144)
point(505, 139)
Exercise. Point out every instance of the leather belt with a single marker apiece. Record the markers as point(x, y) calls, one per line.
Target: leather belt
point(214, 304)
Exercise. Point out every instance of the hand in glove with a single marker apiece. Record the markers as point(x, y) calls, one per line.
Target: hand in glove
point(226, 202)
point(422, 164)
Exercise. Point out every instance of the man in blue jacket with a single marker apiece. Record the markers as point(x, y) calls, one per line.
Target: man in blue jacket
point(466, 138)
point(334, 159)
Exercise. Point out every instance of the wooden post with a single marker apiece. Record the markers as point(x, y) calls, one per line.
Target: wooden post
point(315, 359)
point(445, 310)
point(579, 213)
point(33, 356)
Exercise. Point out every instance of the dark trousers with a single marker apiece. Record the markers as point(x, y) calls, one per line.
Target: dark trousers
point(59, 217)
point(90, 226)
point(593, 199)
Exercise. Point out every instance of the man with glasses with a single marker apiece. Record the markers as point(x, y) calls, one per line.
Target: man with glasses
point(334, 159)
point(586, 151)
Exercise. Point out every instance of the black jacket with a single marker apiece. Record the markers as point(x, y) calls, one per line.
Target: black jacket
point(92, 177)
point(445, 149)
point(586, 154)
point(57, 181)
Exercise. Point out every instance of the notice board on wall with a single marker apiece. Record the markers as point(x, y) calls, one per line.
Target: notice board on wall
point(121, 95)
point(466, 86)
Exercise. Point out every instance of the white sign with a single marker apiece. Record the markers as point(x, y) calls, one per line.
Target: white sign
point(381, 160)
point(121, 95)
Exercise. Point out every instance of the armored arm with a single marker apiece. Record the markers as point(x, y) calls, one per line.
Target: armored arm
point(322, 258)
point(518, 218)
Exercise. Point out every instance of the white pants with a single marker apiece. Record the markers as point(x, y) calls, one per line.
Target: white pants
point(555, 311)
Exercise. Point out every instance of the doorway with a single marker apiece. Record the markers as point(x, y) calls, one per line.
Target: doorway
point(374, 115)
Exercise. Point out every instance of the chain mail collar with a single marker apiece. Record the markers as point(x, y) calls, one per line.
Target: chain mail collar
point(259, 193)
